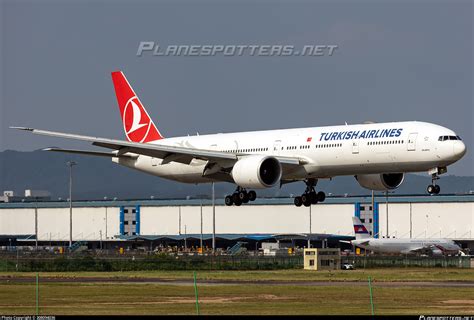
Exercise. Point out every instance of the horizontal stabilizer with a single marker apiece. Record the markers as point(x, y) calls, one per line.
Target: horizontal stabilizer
point(346, 241)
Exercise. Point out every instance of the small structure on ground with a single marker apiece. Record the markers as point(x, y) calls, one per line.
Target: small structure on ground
point(322, 259)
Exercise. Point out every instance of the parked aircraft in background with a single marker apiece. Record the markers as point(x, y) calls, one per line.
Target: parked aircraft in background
point(402, 246)
point(377, 154)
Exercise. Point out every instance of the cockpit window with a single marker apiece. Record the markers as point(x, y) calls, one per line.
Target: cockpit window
point(444, 138)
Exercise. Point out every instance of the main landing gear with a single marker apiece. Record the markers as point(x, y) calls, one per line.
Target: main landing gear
point(240, 196)
point(433, 188)
point(310, 196)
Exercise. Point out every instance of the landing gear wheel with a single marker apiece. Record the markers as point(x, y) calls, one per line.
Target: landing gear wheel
point(310, 196)
point(314, 197)
point(430, 189)
point(240, 196)
point(321, 196)
point(433, 189)
point(252, 195)
point(228, 201)
point(306, 198)
point(298, 201)
point(243, 196)
point(307, 201)
point(235, 198)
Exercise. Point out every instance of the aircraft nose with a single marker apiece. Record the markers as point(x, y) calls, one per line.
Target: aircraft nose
point(459, 149)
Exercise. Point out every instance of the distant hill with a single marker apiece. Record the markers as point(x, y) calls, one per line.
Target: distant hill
point(96, 177)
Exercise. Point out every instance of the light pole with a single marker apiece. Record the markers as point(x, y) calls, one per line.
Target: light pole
point(386, 211)
point(213, 219)
point(185, 237)
point(373, 203)
point(426, 230)
point(201, 227)
point(105, 199)
point(411, 222)
point(310, 231)
point(179, 220)
point(36, 224)
point(439, 222)
point(70, 164)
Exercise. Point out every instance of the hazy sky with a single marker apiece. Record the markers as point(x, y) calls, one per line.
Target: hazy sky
point(396, 60)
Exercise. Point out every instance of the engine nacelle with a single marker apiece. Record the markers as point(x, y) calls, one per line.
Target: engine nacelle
point(257, 172)
point(380, 182)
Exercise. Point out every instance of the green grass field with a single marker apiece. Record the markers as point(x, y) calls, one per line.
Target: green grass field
point(383, 274)
point(149, 298)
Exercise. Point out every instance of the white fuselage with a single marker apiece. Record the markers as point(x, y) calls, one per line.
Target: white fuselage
point(405, 246)
point(329, 151)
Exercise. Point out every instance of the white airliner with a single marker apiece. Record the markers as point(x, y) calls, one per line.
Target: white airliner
point(377, 154)
point(403, 246)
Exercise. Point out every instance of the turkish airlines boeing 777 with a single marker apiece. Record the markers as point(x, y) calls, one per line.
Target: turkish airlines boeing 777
point(377, 154)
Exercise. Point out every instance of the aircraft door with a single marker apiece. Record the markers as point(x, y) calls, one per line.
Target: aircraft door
point(276, 147)
point(355, 147)
point(411, 146)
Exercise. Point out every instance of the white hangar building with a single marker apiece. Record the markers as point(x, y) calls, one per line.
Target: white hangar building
point(446, 216)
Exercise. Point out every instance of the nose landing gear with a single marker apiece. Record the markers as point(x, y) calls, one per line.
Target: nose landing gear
point(310, 196)
point(240, 196)
point(433, 188)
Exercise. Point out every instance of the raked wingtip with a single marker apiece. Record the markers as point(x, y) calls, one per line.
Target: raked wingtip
point(22, 128)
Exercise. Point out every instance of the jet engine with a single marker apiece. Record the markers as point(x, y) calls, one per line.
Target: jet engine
point(380, 182)
point(257, 172)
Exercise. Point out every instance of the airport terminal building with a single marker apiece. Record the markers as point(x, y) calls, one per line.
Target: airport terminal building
point(109, 222)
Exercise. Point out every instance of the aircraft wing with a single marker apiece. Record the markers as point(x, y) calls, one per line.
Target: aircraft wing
point(167, 153)
point(419, 249)
point(89, 152)
point(424, 249)
point(363, 244)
